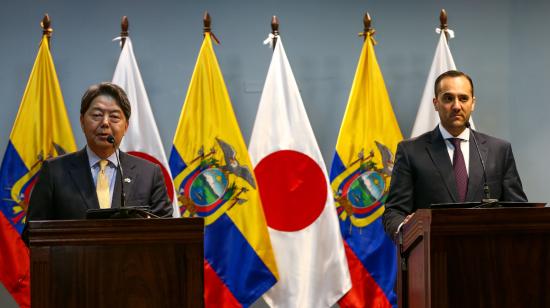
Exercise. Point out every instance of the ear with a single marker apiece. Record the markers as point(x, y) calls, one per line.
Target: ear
point(435, 103)
point(82, 122)
point(473, 103)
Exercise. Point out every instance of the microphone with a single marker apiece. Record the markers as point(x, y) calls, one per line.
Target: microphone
point(486, 200)
point(111, 140)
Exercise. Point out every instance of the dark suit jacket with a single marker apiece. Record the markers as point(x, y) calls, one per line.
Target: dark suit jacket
point(65, 188)
point(423, 175)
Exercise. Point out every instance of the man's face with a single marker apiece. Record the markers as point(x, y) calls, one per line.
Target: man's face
point(454, 103)
point(103, 118)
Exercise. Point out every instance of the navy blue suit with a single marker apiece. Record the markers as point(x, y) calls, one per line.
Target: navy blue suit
point(65, 188)
point(423, 175)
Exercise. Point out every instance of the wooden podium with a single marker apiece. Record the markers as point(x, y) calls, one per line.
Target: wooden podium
point(117, 263)
point(497, 257)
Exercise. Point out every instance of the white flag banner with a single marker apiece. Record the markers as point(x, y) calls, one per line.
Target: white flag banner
point(142, 138)
point(296, 196)
point(426, 117)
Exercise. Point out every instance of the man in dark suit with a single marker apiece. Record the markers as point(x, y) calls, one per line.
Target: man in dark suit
point(69, 185)
point(443, 166)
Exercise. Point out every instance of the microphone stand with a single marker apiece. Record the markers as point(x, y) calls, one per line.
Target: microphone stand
point(486, 201)
point(111, 140)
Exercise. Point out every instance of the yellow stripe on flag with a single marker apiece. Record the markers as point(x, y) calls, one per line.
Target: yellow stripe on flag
point(42, 121)
point(369, 115)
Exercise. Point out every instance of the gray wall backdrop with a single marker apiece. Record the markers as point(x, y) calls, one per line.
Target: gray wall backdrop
point(503, 44)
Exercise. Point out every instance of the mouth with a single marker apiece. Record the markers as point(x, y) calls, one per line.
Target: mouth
point(103, 136)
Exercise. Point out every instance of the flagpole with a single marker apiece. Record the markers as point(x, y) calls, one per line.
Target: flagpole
point(443, 23)
point(123, 31)
point(274, 29)
point(46, 26)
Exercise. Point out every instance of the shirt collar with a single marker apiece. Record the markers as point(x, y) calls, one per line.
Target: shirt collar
point(465, 135)
point(93, 158)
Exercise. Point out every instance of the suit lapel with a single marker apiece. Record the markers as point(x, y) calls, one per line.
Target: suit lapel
point(82, 178)
point(475, 170)
point(440, 157)
point(129, 170)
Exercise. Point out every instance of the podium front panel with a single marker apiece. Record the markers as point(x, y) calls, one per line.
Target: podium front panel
point(477, 258)
point(117, 263)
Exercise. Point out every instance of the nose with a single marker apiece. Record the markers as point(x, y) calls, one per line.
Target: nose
point(105, 121)
point(456, 104)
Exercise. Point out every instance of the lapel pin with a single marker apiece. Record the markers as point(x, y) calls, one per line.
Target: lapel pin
point(127, 180)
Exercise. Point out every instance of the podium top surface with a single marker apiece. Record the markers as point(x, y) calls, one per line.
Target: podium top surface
point(497, 204)
point(429, 223)
point(104, 231)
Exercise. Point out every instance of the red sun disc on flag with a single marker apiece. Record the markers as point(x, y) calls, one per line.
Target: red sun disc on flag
point(165, 174)
point(293, 189)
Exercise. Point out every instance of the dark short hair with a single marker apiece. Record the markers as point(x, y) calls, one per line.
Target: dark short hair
point(108, 89)
point(451, 73)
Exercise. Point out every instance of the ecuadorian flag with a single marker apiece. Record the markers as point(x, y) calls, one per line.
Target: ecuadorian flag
point(214, 179)
point(360, 178)
point(41, 131)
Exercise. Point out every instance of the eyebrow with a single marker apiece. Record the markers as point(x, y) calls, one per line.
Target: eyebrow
point(456, 94)
point(105, 110)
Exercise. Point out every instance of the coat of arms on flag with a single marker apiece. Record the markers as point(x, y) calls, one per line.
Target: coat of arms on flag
point(214, 182)
point(363, 187)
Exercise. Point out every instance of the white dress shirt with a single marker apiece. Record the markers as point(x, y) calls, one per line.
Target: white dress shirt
point(464, 145)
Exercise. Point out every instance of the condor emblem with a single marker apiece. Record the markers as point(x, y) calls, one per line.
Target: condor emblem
point(214, 186)
point(362, 193)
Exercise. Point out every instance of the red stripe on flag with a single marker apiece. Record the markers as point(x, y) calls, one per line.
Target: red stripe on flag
point(14, 264)
point(364, 291)
point(216, 293)
point(167, 178)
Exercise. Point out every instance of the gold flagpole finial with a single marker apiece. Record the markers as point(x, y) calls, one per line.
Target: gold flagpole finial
point(367, 27)
point(46, 26)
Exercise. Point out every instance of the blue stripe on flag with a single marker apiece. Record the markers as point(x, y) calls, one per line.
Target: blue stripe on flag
point(337, 167)
point(376, 251)
point(176, 162)
point(12, 170)
point(232, 257)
